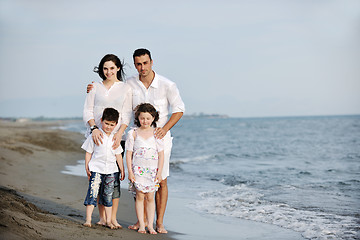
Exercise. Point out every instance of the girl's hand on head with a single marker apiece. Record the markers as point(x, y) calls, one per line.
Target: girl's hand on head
point(97, 136)
point(89, 87)
point(159, 133)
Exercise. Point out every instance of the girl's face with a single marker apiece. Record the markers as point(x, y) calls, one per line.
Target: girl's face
point(110, 70)
point(145, 119)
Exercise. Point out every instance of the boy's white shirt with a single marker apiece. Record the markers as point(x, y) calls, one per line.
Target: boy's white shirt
point(103, 159)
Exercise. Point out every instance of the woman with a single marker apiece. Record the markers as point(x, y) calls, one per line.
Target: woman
point(111, 92)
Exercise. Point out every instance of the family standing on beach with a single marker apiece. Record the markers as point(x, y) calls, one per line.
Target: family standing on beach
point(147, 98)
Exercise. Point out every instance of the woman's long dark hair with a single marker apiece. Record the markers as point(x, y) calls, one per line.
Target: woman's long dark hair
point(110, 57)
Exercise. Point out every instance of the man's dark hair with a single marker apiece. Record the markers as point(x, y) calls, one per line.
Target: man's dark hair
point(141, 51)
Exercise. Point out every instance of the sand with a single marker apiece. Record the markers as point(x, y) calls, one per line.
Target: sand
point(37, 200)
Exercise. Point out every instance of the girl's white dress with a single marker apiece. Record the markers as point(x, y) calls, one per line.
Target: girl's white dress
point(145, 160)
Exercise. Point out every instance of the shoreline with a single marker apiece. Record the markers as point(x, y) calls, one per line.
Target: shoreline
point(33, 155)
point(39, 202)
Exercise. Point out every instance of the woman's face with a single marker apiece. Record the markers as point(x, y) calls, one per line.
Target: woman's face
point(110, 70)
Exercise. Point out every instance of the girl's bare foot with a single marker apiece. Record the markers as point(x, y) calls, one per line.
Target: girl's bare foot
point(142, 230)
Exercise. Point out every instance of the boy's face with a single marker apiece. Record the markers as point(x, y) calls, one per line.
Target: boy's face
point(108, 126)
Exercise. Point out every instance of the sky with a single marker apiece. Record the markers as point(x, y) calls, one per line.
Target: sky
point(258, 58)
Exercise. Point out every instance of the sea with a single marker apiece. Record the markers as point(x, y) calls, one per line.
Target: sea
point(298, 173)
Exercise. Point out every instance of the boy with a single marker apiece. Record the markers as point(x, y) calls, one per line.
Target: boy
point(101, 168)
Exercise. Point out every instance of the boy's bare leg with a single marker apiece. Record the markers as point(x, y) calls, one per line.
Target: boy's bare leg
point(108, 211)
point(102, 220)
point(114, 213)
point(89, 211)
point(161, 198)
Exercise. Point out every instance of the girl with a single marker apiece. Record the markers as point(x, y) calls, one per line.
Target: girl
point(111, 92)
point(145, 160)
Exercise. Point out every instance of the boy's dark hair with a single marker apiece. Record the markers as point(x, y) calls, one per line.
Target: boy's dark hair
point(147, 108)
point(141, 51)
point(110, 57)
point(110, 114)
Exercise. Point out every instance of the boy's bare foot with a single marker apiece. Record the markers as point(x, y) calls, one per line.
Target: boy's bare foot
point(142, 231)
point(87, 224)
point(161, 229)
point(116, 224)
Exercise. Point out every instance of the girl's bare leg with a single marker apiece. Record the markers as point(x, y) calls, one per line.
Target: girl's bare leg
point(150, 211)
point(137, 224)
point(139, 207)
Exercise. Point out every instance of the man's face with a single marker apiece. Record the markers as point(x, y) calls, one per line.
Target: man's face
point(143, 65)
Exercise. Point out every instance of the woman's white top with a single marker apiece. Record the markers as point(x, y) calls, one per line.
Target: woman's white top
point(119, 96)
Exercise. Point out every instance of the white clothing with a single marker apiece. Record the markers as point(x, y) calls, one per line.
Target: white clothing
point(103, 159)
point(163, 95)
point(119, 97)
point(145, 160)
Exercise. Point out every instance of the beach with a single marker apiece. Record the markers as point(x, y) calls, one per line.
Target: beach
point(211, 196)
point(38, 201)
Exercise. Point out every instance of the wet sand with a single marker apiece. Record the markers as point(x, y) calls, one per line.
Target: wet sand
point(38, 201)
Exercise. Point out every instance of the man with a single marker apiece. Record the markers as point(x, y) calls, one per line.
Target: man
point(150, 87)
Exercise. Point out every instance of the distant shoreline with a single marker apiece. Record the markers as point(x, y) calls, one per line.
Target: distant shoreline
point(186, 116)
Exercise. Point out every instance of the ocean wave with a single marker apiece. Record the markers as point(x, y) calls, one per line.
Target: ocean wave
point(243, 202)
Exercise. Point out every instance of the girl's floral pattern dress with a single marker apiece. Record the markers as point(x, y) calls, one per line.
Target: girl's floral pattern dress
point(145, 161)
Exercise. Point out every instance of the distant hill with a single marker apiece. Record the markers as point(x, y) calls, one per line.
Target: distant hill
point(203, 115)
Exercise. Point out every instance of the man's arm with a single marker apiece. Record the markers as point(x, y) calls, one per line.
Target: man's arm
point(161, 132)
